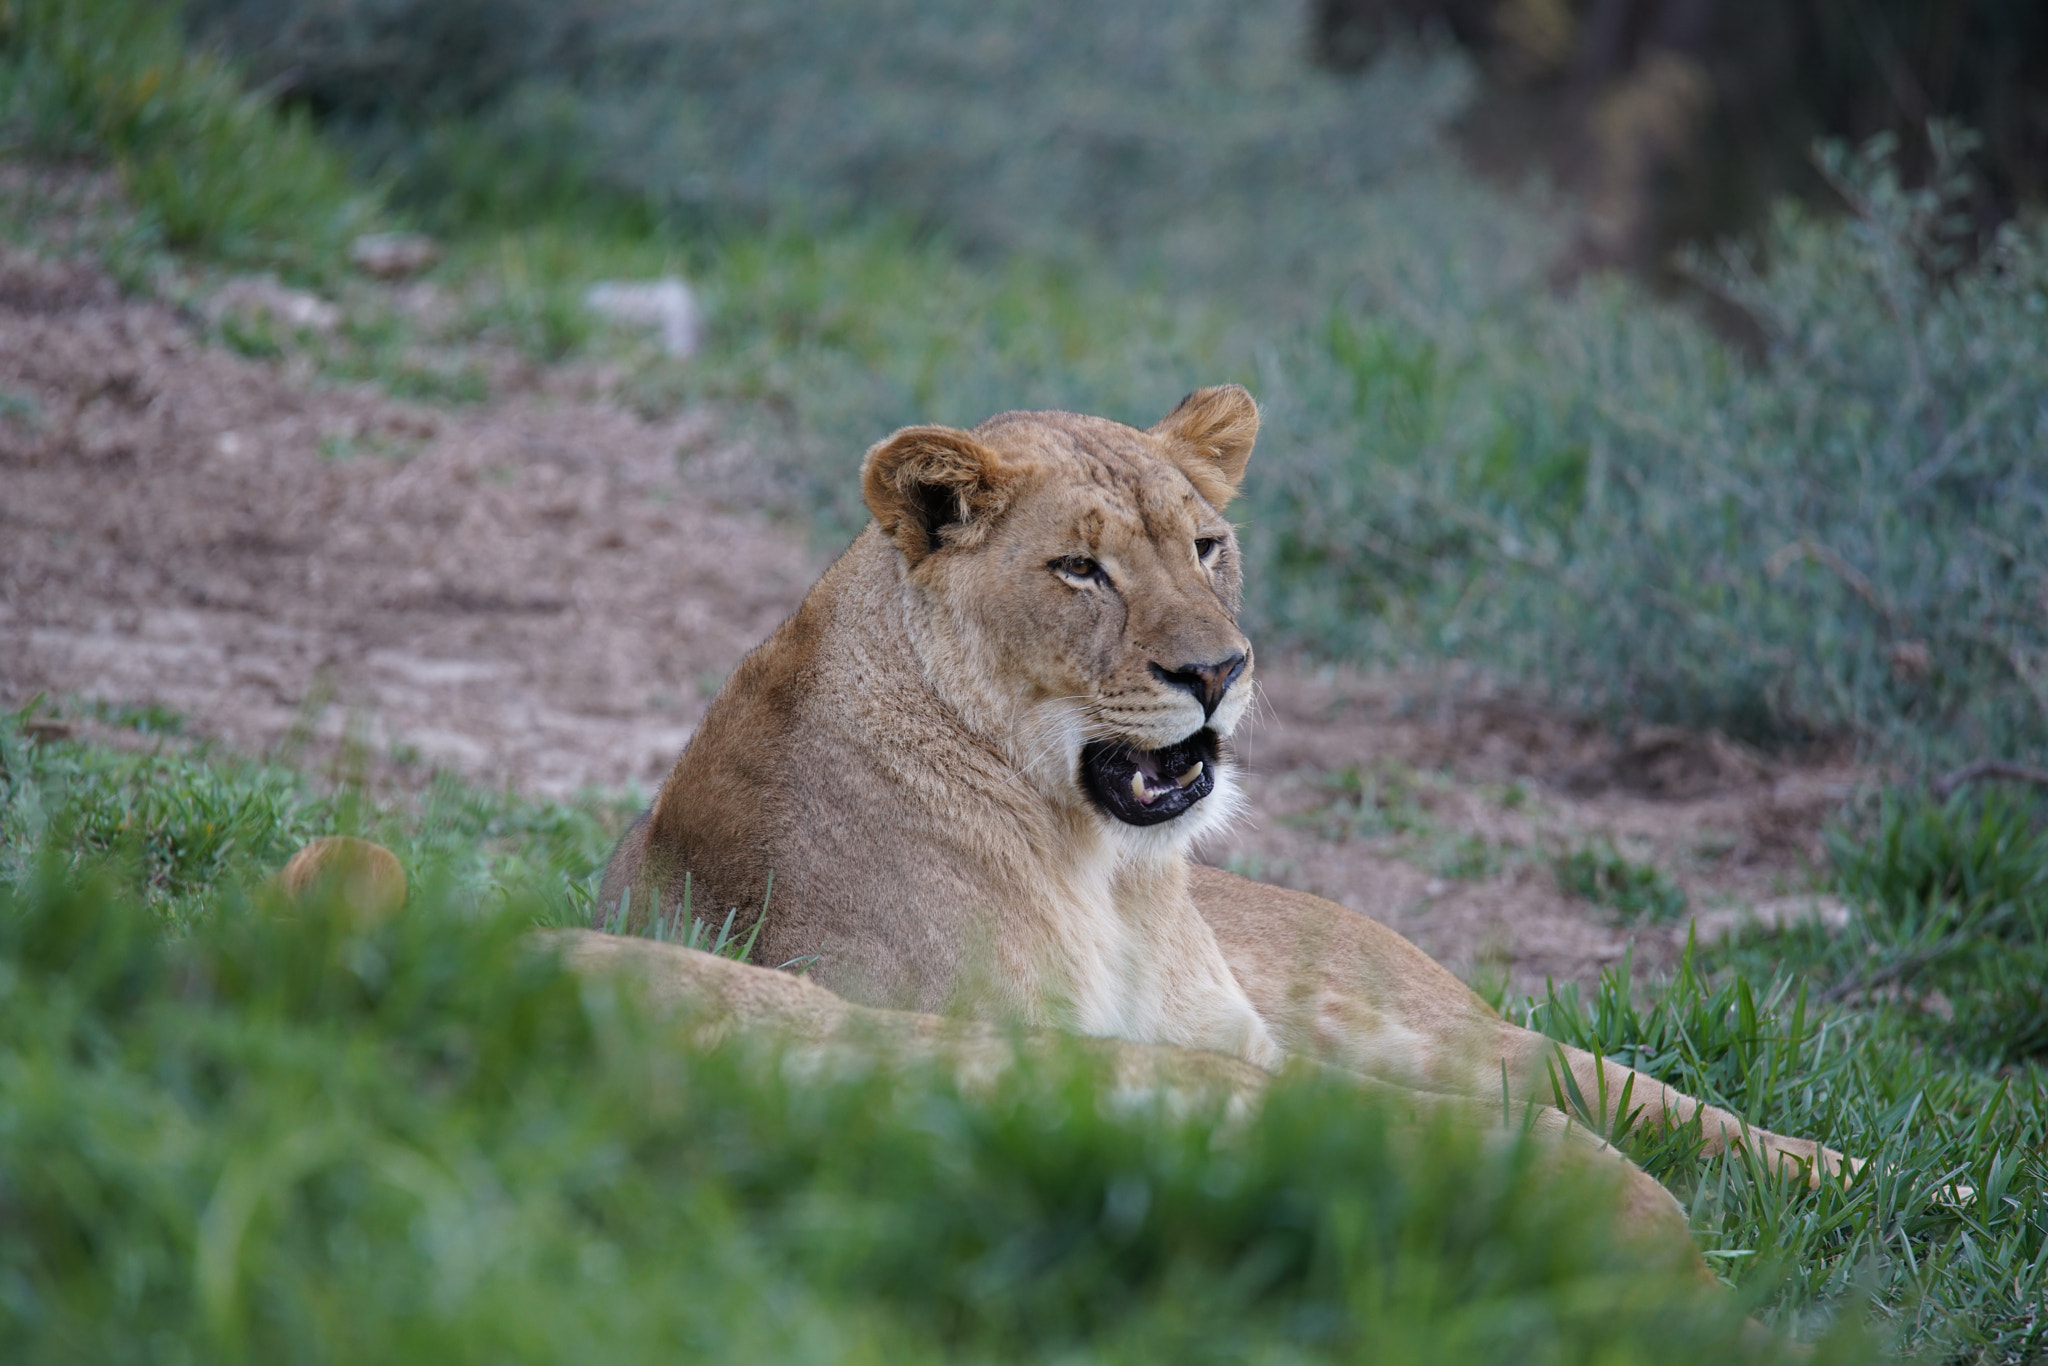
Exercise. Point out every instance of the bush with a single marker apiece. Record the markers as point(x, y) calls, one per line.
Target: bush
point(1188, 139)
point(178, 827)
point(1600, 874)
point(1849, 539)
point(1953, 917)
point(211, 166)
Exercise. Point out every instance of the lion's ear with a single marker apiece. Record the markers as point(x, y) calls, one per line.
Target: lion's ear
point(930, 487)
point(1210, 434)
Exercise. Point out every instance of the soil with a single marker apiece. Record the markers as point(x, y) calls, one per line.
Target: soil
point(528, 591)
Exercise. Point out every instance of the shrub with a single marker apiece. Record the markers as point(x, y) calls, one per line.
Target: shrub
point(1953, 917)
point(212, 166)
point(1849, 538)
point(1639, 891)
point(1189, 137)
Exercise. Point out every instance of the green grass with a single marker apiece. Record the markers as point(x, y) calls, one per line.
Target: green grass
point(1969, 1275)
point(281, 1136)
point(257, 1132)
point(177, 825)
point(1599, 873)
point(211, 167)
point(1952, 925)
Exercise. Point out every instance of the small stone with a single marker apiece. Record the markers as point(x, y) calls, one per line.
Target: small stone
point(393, 255)
point(667, 305)
point(253, 296)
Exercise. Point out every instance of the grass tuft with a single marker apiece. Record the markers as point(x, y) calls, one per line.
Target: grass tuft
point(212, 167)
point(179, 826)
point(1599, 873)
point(1967, 1277)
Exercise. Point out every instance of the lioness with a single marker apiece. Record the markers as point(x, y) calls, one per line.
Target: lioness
point(973, 761)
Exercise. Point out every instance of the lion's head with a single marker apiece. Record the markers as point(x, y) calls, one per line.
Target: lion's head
point(1078, 588)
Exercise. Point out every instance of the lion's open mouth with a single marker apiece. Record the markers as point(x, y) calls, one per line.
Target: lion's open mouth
point(1147, 786)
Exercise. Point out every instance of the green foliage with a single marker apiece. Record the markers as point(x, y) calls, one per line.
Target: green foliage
point(269, 1136)
point(1979, 848)
point(1949, 931)
point(212, 167)
point(285, 1136)
point(1952, 902)
point(286, 1123)
point(1591, 491)
point(1603, 875)
point(1967, 1272)
point(1059, 128)
point(1846, 539)
point(181, 826)
point(149, 718)
point(1369, 802)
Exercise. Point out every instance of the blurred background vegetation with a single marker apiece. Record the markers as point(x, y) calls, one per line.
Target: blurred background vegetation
point(1683, 119)
point(1799, 502)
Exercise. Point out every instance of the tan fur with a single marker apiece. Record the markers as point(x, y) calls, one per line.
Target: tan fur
point(902, 755)
point(1345, 990)
point(813, 1028)
point(367, 878)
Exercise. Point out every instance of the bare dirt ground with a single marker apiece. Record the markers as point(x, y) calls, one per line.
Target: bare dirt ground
point(1477, 797)
point(527, 591)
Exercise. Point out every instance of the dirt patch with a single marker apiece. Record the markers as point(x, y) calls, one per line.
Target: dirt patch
point(522, 592)
point(529, 591)
point(1440, 809)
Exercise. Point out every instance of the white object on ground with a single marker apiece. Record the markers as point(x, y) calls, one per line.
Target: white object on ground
point(251, 295)
point(667, 304)
point(1722, 922)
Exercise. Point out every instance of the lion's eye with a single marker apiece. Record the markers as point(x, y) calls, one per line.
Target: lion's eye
point(1078, 567)
point(1206, 548)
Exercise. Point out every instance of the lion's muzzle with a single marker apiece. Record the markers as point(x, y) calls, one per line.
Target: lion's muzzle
point(1208, 684)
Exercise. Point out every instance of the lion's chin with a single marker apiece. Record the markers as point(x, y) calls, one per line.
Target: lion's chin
point(1150, 786)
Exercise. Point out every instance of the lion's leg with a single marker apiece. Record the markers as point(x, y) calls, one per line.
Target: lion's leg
point(1345, 990)
point(1607, 1094)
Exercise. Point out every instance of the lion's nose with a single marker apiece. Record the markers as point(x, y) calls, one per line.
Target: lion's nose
point(1208, 682)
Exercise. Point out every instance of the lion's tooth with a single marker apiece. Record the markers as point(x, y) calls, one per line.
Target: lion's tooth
point(1138, 788)
point(1184, 779)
